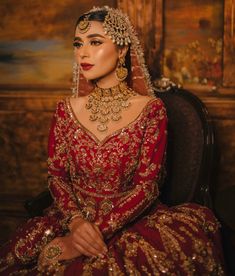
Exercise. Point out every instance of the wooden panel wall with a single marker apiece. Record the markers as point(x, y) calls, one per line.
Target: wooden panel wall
point(25, 118)
point(220, 100)
point(229, 43)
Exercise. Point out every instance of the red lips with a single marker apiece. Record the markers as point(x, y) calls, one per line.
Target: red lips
point(86, 66)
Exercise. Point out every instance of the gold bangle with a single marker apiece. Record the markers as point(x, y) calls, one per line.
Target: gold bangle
point(78, 215)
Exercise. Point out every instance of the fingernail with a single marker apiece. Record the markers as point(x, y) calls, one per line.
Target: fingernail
point(101, 256)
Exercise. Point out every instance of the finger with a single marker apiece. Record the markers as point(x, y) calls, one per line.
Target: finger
point(101, 236)
point(87, 245)
point(96, 239)
point(42, 263)
point(91, 240)
point(84, 251)
point(87, 237)
point(88, 248)
point(90, 234)
point(98, 231)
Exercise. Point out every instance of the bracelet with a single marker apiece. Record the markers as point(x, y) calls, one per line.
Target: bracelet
point(77, 215)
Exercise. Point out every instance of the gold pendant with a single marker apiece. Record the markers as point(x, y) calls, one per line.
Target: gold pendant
point(103, 120)
point(125, 104)
point(116, 117)
point(107, 104)
point(102, 128)
point(93, 117)
point(116, 109)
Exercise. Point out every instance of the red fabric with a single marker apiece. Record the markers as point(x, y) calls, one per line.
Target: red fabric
point(150, 136)
point(114, 183)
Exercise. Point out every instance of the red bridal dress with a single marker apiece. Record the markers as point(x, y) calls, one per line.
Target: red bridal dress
point(114, 183)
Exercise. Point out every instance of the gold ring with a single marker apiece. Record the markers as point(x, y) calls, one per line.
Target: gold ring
point(53, 252)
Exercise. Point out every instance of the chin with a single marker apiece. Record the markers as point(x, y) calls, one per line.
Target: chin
point(92, 79)
point(88, 77)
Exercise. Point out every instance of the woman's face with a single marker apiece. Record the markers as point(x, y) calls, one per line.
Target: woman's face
point(97, 55)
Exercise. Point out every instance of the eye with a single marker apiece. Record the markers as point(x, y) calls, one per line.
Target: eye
point(96, 42)
point(77, 44)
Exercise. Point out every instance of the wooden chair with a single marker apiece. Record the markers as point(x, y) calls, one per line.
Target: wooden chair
point(190, 152)
point(191, 156)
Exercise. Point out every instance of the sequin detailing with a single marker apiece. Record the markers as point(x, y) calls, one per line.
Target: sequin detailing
point(114, 184)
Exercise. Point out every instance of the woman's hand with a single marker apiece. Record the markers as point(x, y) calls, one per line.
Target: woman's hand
point(62, 249)
point(87, 238)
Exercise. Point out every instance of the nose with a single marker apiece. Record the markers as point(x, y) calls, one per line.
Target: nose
point(84, 51)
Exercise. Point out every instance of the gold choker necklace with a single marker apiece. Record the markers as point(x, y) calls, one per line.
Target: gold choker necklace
point(107, 104)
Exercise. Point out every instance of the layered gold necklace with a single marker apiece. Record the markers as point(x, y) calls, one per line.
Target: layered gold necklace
point(106, 104)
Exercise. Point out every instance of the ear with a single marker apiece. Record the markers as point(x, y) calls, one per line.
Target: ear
point(122, 51)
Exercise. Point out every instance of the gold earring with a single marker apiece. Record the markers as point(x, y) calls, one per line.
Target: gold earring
point(121, 71)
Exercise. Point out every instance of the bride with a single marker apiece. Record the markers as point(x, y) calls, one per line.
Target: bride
point(106, 150)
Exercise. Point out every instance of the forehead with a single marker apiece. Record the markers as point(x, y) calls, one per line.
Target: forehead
point(95, 28)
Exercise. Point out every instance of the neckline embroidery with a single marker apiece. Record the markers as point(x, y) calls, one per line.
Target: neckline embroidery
point(116, 132)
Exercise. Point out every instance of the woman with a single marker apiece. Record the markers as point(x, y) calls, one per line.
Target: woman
point(106, 160)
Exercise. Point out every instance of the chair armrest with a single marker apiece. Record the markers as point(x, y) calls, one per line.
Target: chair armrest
point(36, 205)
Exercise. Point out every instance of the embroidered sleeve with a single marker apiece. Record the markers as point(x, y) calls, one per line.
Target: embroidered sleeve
point(58, 167)
point(145, 178)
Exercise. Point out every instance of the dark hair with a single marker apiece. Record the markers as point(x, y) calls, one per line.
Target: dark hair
point(93, 16)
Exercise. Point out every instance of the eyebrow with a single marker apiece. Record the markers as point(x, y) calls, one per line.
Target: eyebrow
point(89, 36)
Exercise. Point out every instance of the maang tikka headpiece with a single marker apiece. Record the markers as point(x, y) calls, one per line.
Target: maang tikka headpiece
point(84, 25)
point(120, 30)
point(115, 25)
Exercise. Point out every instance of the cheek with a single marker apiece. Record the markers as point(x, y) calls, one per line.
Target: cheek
point(106, 57)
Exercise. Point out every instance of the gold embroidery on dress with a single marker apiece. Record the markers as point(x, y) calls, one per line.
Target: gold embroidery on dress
point(26, 250)
point(115, 195)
